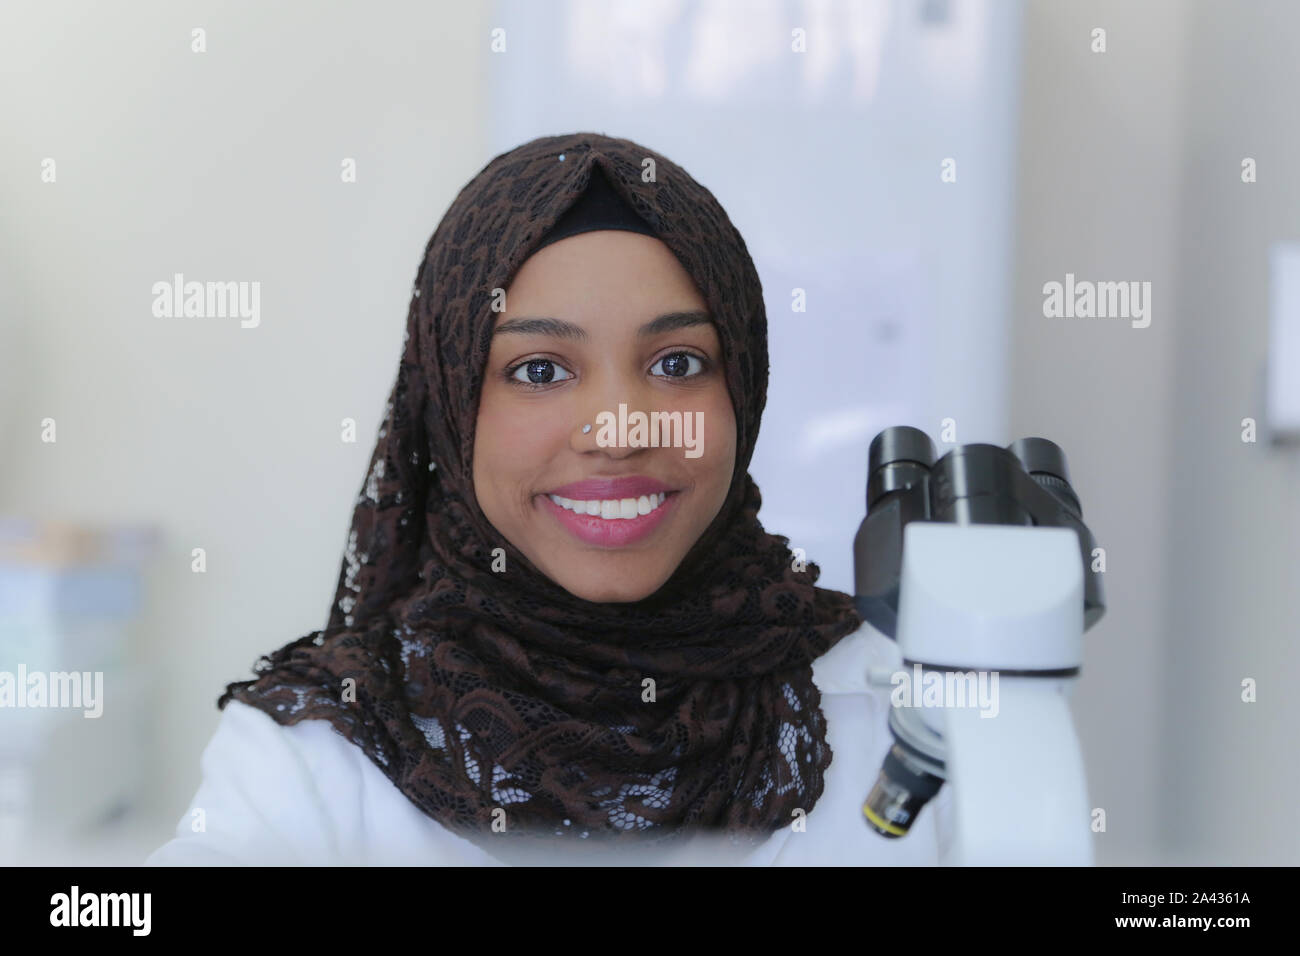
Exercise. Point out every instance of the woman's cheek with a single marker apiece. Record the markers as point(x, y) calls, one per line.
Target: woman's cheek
point(531, 430)
point(511, 425)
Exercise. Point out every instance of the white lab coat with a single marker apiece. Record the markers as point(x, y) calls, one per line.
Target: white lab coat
point(305, 795)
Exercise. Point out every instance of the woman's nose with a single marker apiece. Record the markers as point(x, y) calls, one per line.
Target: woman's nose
point(604, 422)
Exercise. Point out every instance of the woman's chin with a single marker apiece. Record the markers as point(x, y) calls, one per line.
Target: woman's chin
point(605, 588)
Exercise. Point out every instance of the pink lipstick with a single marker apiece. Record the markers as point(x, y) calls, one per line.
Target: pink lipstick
point(611, 512)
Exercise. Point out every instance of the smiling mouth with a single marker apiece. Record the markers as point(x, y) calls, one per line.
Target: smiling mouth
point(613, 509)
point(611, 523)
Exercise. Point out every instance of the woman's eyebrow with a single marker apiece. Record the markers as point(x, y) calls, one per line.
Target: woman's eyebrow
point(560, 329)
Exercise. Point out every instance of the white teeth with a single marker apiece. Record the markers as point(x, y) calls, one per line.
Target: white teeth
point(614, 508)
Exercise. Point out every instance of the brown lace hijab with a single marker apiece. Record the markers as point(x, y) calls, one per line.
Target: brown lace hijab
point(498, 699)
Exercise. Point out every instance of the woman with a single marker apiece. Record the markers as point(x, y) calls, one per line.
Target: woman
point(555, 639)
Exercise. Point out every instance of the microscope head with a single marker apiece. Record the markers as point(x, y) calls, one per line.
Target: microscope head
point(1026, 484)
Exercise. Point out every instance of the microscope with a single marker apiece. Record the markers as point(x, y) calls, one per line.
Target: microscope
point(980, 568)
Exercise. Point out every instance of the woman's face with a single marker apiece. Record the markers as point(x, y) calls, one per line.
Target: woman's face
point(623, 325)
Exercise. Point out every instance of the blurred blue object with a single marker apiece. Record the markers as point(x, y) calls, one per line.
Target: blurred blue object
point(70, 690)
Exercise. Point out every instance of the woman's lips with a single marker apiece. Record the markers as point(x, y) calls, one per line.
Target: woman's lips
point(611, 489)
point(610, 532)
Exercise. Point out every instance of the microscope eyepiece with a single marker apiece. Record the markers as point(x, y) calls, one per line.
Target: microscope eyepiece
point(899, 457)
point(1045, 463)
point(1039, 454)
point(900, 443)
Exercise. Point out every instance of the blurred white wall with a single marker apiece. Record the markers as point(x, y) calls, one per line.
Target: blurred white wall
point(226, 166)
point(1233, 546)
point(1100, 166)
point(1130, 169)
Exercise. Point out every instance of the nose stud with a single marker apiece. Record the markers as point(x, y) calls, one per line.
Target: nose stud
point(585, 429)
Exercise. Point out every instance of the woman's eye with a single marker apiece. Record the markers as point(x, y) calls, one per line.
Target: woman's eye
point(539, 372)
point(678, 365)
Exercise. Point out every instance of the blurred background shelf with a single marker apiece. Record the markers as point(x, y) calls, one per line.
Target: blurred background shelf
point(72, 767)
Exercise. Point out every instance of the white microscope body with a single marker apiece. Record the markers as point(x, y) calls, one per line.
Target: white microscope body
point(980, 567)
point(1008, 602)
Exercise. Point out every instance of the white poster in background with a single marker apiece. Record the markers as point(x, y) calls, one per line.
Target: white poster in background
point(825, 130)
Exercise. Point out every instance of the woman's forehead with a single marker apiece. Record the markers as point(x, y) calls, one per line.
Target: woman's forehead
point(556, 327)
point(601, 271)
